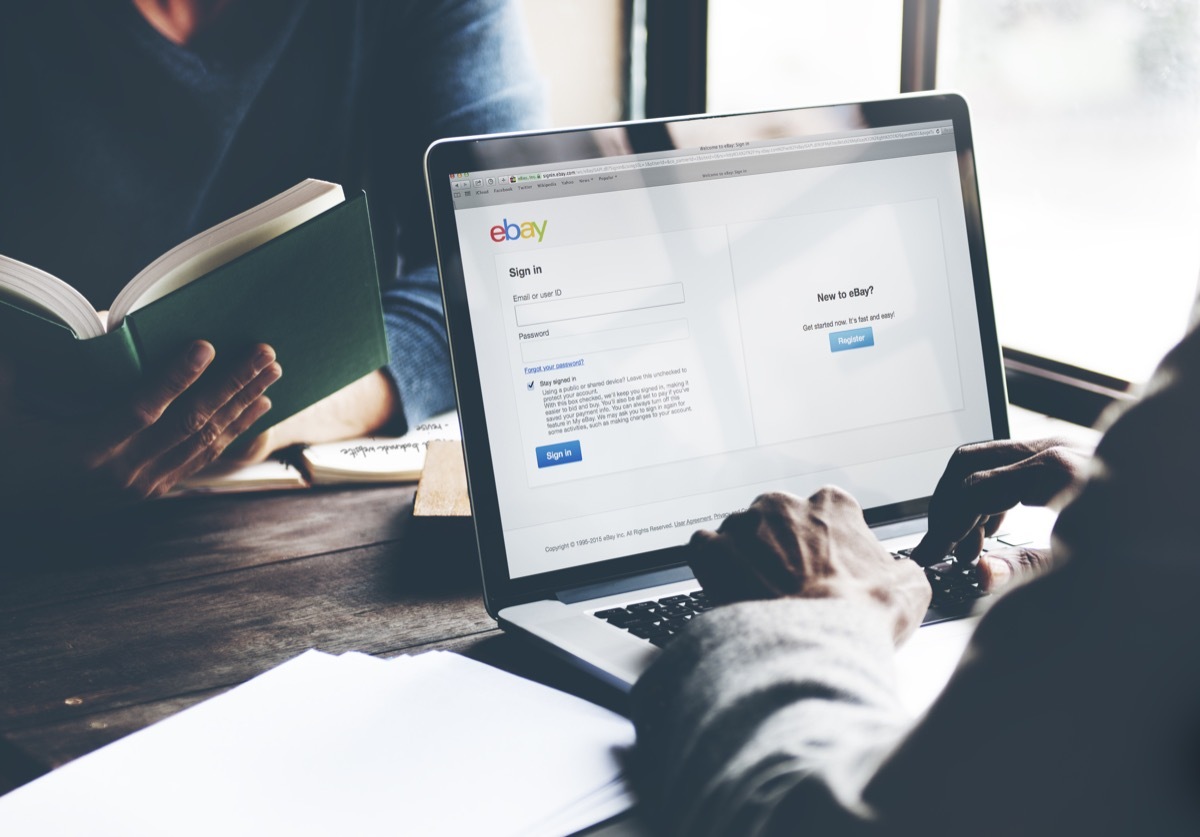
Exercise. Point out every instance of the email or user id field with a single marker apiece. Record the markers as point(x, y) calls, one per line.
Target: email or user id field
point(590, 305)
point(602, 341)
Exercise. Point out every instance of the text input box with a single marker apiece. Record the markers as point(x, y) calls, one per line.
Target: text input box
point(603, 341)
point(611, 302)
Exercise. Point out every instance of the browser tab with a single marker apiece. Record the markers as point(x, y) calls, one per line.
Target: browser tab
point(710, 162)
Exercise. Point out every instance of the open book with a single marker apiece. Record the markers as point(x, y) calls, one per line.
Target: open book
point(372, 460)
point(296, 272)
point(53, 298)
point(378, 459)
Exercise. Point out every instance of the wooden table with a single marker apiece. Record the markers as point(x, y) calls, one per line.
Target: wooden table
point(107, 630)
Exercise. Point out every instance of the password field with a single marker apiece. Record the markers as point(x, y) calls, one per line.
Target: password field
point(602, 341)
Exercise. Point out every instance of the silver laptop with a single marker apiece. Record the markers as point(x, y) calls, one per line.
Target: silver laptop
point(651, 323)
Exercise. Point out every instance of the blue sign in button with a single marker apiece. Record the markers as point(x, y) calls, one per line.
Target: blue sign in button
point(550, 455)
point(855, 338)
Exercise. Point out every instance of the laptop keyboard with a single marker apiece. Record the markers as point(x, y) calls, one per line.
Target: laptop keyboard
point(955, 585)
point(657, 620)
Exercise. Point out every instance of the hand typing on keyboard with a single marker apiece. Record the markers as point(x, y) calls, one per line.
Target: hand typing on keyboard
point(955, 582)
point(980, 484)
point(657, 620)
point(819, 548)
point(983, 481)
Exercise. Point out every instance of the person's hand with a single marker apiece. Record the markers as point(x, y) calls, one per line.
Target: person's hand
point(357, 409)
point(999, 568)
point(815, 548)
point(175, 424)
point(982, 482)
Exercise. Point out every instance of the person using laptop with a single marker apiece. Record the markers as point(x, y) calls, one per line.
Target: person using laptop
point(1075, 709)
point(135, 124)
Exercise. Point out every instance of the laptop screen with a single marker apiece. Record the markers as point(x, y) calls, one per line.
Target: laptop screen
point(764, 303)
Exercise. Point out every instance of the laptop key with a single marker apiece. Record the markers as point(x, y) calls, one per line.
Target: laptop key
point(656, 621)
point(643, 607)
point(638, 622)
point(621, 618)
point(954, 583)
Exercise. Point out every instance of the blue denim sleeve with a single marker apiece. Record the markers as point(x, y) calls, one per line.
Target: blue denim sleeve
point(466, 68)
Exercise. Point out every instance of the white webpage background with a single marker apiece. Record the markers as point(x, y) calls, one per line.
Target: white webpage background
point(783, 265)
point(882, 427)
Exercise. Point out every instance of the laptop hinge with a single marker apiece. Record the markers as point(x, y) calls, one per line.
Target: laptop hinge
point(900, 527)
point(625, 584)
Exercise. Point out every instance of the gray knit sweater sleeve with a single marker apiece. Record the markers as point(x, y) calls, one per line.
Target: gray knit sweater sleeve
point(746, 707)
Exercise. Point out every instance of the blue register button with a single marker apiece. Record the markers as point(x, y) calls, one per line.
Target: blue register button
point(550, 455)
point(855, 338)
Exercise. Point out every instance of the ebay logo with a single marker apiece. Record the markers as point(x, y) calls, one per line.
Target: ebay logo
point(510, 231)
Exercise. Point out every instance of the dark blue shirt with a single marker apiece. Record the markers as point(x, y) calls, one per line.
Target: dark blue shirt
point(117, 144)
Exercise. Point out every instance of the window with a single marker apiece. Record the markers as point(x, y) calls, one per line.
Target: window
point(1087, 122)
point(580, 49)
point(810, 52)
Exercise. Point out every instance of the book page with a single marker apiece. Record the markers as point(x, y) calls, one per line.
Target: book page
point(223, 243)
point(226, 478)
point(44, 294)
point(374, 459)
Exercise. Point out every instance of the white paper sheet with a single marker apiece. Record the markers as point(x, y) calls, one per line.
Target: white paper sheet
point(425, 745)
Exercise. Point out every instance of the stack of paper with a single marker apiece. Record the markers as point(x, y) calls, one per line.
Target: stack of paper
point(431, 744)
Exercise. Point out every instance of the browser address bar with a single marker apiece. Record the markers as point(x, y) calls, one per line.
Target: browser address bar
point(739, 153)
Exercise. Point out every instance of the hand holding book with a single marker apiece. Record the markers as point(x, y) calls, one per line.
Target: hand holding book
point(176, 422)
point(361, 407)
point(296, 273)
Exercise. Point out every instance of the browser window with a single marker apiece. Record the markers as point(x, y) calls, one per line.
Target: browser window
point(661, 337)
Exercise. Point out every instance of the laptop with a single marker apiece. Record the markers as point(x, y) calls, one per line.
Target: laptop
point(653, 322)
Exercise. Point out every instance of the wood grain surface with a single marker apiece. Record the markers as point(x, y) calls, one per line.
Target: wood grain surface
point(109, 625)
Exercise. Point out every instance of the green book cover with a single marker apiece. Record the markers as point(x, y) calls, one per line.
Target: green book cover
point(56, 367)
point(311, 293)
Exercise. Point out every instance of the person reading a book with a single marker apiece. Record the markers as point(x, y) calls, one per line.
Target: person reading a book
point(1076, 708)
point(143, 122)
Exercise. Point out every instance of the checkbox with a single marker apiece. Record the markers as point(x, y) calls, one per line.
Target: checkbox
point(529, 386)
